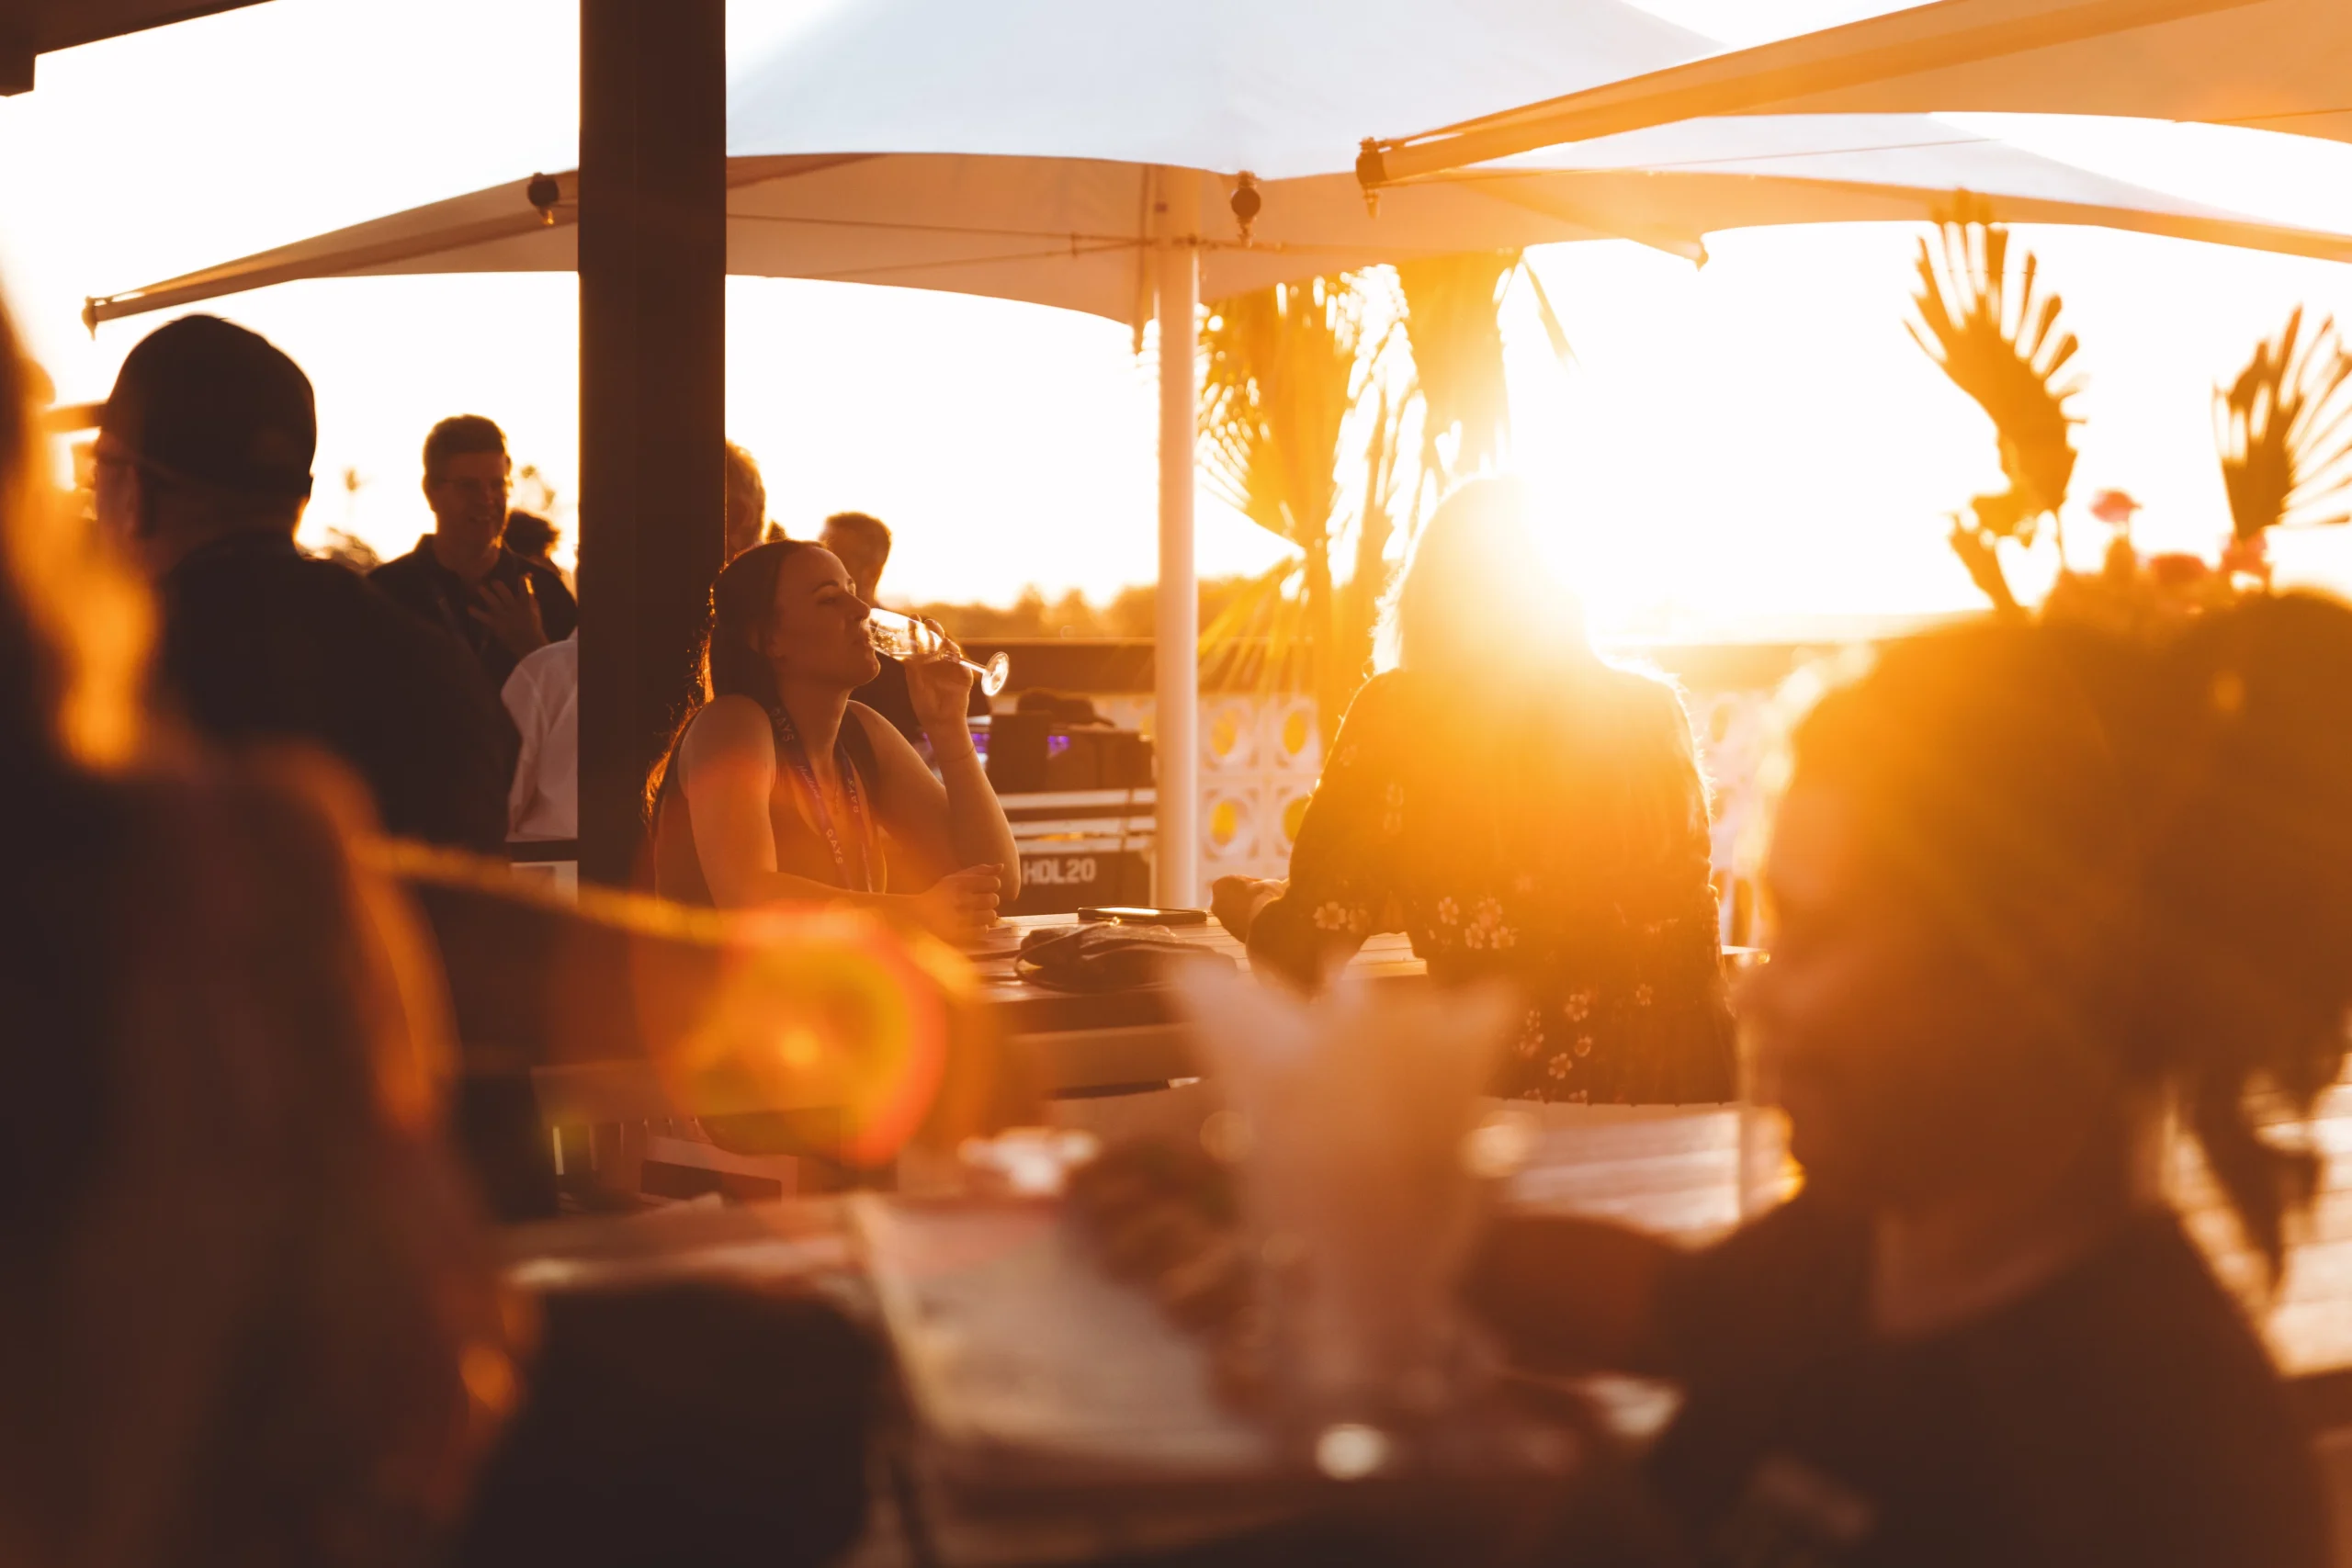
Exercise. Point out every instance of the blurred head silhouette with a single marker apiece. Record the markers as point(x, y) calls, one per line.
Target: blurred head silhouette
point(746, 501)
point(2024, 878)
point(531, 536)
point(863, 545)
point(1474, 602)
point(209, 431)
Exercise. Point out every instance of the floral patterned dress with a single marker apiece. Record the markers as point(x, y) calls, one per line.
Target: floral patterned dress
point(1562, 844)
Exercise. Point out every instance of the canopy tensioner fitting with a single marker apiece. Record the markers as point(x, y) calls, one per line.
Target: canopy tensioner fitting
point(543, 193)
point(1247, 203)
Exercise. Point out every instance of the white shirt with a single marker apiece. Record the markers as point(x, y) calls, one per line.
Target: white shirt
point(543, 696)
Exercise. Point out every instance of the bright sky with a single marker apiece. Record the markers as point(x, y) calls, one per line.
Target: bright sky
point(1753, 442)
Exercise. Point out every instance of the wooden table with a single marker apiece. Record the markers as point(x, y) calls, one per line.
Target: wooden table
point(1677, 1173)
point(1075, 1043)
point(1674, 1172)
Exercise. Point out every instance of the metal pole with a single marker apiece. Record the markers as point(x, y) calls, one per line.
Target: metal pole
point(652, 389)
point(1177, 643)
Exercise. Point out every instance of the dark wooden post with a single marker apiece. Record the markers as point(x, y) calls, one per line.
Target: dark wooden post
point(652, 388)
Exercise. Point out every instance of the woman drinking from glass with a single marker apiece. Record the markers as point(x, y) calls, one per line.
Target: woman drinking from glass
point(778, 787)
point(1523, 809)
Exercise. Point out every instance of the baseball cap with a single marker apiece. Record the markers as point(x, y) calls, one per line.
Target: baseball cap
point(205, 400)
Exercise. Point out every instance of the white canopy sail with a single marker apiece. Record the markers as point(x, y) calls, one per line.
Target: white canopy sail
point(2265, 64)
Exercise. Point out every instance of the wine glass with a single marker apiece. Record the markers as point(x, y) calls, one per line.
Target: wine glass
point(902, 635)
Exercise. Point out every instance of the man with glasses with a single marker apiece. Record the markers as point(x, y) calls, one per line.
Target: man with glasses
point(461, 576)
point(204, 457)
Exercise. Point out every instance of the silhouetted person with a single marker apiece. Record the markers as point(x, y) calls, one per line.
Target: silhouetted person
point(533, 537)
point(863, 545)
point(204, 467)
point(459, 577)
point(248, 1313)
point(2033, 895)
point(747, 503)
point(1523, 810)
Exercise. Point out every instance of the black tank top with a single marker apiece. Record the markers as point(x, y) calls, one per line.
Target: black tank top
point(801, 850)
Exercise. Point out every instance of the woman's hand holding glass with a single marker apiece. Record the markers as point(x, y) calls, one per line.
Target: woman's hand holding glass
point(939, 684)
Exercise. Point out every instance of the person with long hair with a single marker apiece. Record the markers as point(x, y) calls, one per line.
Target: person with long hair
point(779, 787)
point(248, 1313)
point(1522, 808)
point(2034, 898)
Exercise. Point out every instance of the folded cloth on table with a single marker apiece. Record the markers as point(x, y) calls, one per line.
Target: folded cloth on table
point(1107, 957)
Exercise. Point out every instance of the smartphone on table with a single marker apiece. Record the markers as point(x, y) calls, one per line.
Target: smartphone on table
point(1129, 915)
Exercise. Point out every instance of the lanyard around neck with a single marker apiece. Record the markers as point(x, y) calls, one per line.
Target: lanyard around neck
point(795, 754)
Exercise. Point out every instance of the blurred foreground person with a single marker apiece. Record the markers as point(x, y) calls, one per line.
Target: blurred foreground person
point(1522, 809)
point(2028, 890)
point(246, 1313)
point(779, 787)
point(203, 469)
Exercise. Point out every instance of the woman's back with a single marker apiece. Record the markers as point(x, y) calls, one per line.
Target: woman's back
point(1556, 834)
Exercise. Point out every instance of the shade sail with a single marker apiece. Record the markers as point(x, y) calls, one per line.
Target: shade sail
point(33, 27)
point(1009, 151)
point(1077, 234)
point(2267, 64)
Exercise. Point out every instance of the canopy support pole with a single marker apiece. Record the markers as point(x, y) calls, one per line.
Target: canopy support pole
point(652, 390)
point(1177, 642)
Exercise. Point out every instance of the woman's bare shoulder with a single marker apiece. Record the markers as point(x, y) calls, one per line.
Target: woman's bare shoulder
point(878, 730)
point(728, 729)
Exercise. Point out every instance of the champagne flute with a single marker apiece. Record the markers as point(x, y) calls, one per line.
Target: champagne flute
point(902, 635)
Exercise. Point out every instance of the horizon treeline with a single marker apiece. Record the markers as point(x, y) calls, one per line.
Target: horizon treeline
point(1128, 613)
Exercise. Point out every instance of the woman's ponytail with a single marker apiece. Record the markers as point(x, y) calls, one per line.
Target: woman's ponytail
point(2247, 888)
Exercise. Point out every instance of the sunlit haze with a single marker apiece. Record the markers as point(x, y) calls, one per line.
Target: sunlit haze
point(1734, 447)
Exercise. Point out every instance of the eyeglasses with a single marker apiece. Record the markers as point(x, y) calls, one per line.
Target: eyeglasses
point(491, 490)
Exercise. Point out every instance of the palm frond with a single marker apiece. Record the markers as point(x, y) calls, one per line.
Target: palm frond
point(2284, 428)
point(1285, 368)
point(1553, 330)
point(1451, 322)
point(1278, 373)
point(2004, 349)
point(1358, 598)
point(1261, 634)
point(1317, 398)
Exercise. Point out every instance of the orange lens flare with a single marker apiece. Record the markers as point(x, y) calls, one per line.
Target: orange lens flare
point(822, 1010)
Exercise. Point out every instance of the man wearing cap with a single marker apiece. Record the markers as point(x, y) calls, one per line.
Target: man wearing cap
point(461, 577)
point(203, 461)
